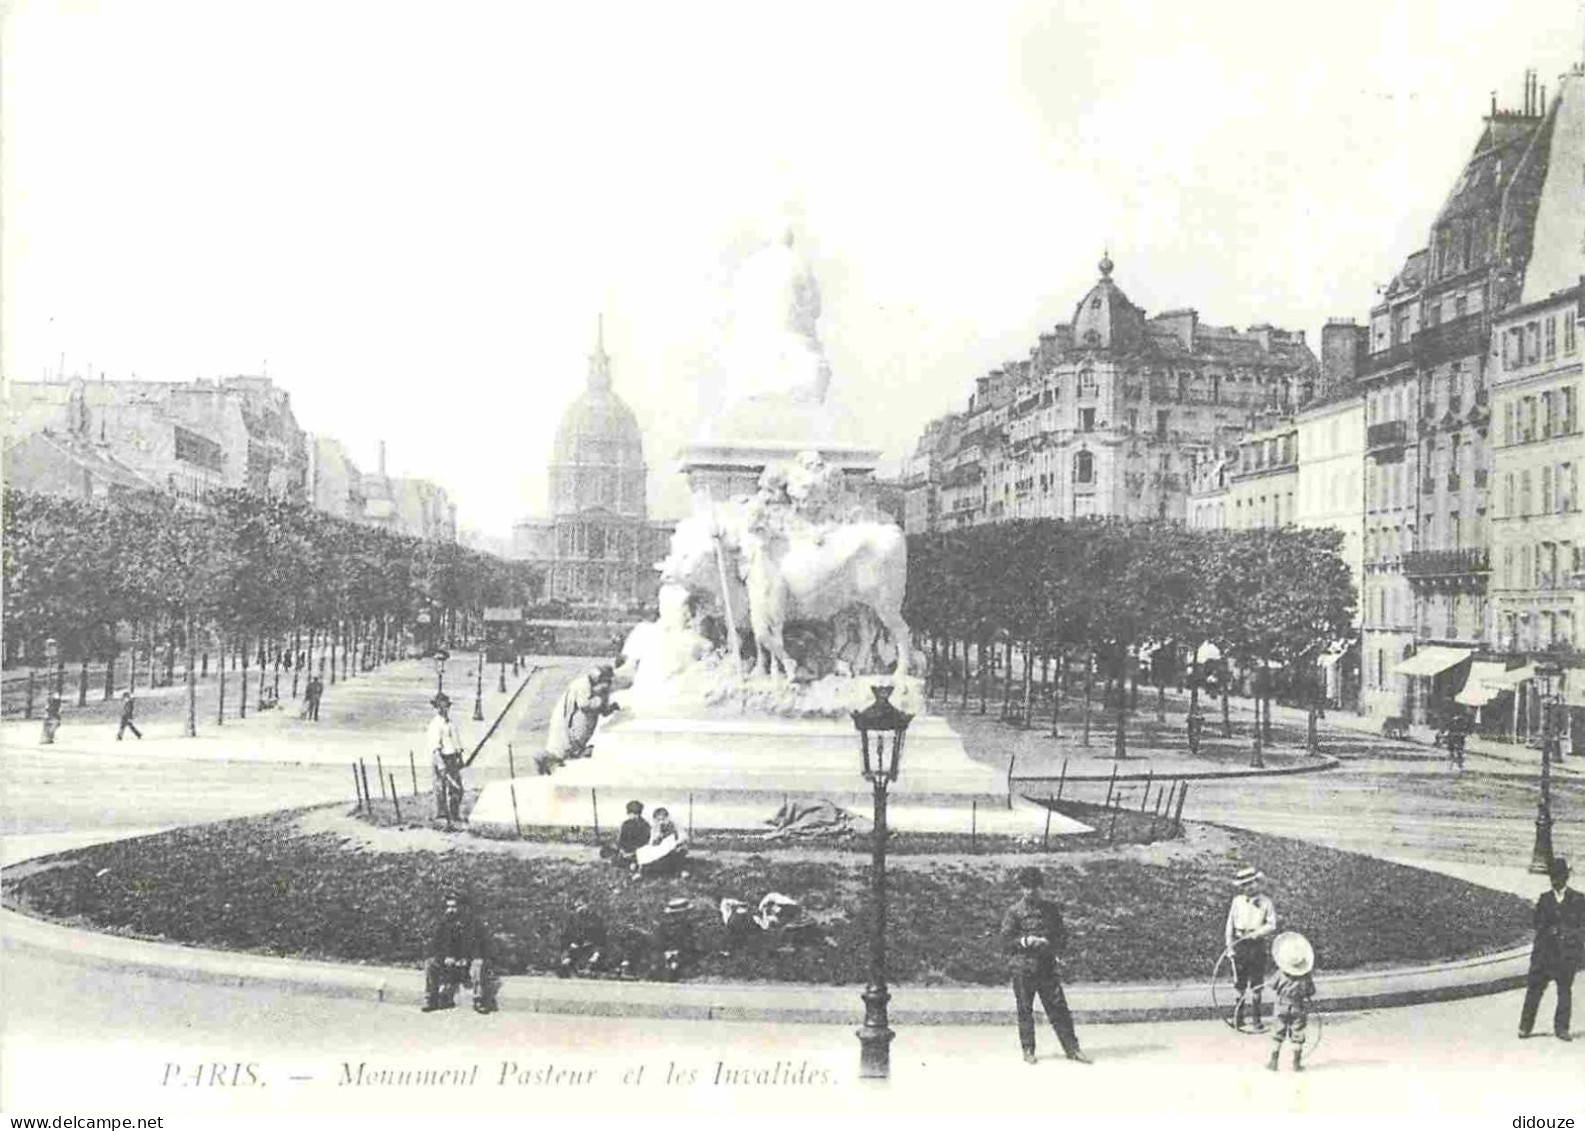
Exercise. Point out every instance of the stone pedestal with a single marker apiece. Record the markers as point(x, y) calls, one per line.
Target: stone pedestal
point(735, 773)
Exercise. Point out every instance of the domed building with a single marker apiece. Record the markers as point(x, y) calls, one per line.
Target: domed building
point(597, 545)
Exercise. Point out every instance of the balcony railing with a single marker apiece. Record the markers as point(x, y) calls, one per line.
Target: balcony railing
point(1446, 563)
point(1461, 337)
point(1389, 358)
point(1388, 434)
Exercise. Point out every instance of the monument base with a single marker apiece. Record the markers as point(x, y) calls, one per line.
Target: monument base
point(736, 773)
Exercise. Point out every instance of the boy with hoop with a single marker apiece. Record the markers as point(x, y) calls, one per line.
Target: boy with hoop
point(1251, 922)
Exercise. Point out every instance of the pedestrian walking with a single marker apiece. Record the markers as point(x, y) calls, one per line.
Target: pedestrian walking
point(459, 956)
point(128, 706)
point(1251, 921)
point(445, 750)
point(1294, 989)
point(315, 692)
point(1032, 937)
point(1558, 953)
point(52, 719)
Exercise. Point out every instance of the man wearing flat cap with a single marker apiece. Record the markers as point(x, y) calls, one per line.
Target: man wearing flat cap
point(1251, 921)
point(1558, 953)
point(1032, 937)
point(445, 754)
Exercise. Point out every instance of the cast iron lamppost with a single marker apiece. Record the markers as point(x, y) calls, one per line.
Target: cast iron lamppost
point(440, 671)
point(1546, 677)
point(881, 728)
point(478, 687)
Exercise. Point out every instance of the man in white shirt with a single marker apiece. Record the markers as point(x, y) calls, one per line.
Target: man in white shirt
point(445, 754)
point(1251, 921)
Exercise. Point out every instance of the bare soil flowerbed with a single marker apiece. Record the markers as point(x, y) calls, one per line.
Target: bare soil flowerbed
point(280, 885)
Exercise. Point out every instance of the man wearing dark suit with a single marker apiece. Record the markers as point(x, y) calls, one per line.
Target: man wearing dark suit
point(1032, 936)
point(1558, 953)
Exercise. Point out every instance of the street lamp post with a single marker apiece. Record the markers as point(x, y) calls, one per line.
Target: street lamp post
point(478, 687)
point(440, 671)
point(1546, 676)
point(881, 728)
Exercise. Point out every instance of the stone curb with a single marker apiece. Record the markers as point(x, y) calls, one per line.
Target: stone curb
point(1323, 762)
point(774, 1002)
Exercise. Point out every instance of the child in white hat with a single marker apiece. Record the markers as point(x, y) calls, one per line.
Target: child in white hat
point(1251, 922)
point(1293, 988)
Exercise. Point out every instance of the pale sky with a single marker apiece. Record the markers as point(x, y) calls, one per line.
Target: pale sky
point(410, 215)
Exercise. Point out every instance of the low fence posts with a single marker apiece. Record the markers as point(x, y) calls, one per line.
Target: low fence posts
point(412, 767)
point(1045, 841)
point(1011, 762)
point(27, 712)
point(379, 772)
point(1062, 779)
point(1110, 785)
point(1144, 798)
point(974, 823)
point(364, 770)
point(594, 803)
point(1111, 833)
point(518, 825)
point(357, 790)
point(1178, 817)
point(396, 801)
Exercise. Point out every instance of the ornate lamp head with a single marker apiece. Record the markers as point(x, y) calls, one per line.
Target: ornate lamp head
point(881, 728)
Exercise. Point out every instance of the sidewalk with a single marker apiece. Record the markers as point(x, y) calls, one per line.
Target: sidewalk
point(382, 712)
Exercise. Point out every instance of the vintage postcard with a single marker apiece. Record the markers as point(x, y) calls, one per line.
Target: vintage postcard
point(714, 559)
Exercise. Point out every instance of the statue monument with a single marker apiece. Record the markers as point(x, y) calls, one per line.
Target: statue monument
point(780, 610)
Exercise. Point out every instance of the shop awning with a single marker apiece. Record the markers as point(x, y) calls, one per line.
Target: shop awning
point(1574, 687)
point(1478, 688)
point(1206, 653)
point(1513, 677)
point(1433, 659)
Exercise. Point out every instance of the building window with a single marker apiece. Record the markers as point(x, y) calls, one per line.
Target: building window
point(1084, 468)
point(1524, 492)
point(1162, 419)
point(1546, 490)
point(1569, 320)
point(1086, 420)
point(1551, 338)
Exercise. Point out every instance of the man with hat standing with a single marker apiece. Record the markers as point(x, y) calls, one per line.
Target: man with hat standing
point(1032, 936)
point(445, 750)
point(1558, 953)
point(1251, 921)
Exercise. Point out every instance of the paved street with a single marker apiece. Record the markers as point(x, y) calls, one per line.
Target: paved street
point(125, 1030)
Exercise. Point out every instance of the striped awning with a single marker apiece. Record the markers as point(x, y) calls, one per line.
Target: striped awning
point(1478, 688)
point(1432, 660)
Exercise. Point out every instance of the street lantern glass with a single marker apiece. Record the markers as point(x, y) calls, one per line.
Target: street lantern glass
point(882, 728)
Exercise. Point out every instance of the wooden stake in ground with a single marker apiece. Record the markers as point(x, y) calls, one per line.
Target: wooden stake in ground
point(1178, 818)
point(413, 768)
point(974, 823)
point(518, 825)
point(379, 772)
point(364, 770)
point(1111, 834)
point(1144, 798)
point(1110, 785)
point(1062, 778)
point(1011, 762)
point(511, 764)
point(1045, 841)
point(396, 801)
point(356, 788)
point(594, 803)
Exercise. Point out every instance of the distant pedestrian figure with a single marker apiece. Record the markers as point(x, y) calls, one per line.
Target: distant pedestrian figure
point(459, 956)
point(1032, 936)
point(311, 696)
point(1558, 953)
point(445, 750)
point(128, 706)
point(52, 719)
point(1294, 989)
point(1251, 921)
point(1458, 729)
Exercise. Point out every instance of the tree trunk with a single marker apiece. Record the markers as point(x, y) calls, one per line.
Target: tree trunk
point(985, 678)
point(110, 676)
point(1227, 718)
point(1007, 677)
point(242, 700)
point(82, 682)
point(1056, 693)
point(964, 705)
point(1029, 684)
point(1161, 697)
point(1089, 691)
point(1120, 739)
point(331, 635)
point(192, 680)
point(220, 715)
point(297, 658)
